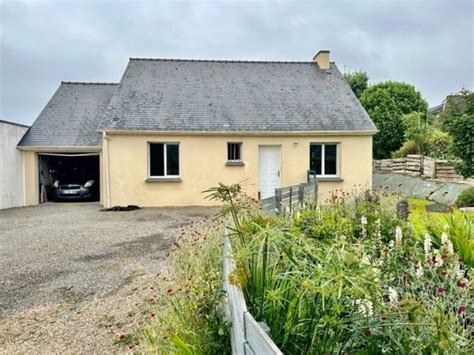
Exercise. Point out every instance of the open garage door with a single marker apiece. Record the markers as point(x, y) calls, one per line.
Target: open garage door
point(69, 177)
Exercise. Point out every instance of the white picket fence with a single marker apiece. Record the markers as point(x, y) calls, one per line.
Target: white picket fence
point(247, 335)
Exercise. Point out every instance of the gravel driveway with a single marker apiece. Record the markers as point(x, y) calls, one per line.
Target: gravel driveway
point(62, 265)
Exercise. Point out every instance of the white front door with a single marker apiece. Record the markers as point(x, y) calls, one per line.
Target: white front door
point(269, 169)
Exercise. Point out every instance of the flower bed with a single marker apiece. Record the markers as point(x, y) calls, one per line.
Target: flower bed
point(351, 277)
point(185, 315)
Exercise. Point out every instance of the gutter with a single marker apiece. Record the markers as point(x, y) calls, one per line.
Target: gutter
point(62, 149)
point(240, 133)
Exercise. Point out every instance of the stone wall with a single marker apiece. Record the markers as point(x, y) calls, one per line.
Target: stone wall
point(418, 165)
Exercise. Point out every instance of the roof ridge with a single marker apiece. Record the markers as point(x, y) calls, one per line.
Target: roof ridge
point(222, 60)
point(86, 83)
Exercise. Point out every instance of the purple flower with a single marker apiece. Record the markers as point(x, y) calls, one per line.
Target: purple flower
point(461, 309)
point(441, 290)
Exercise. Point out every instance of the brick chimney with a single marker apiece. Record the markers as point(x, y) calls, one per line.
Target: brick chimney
point(322, 59)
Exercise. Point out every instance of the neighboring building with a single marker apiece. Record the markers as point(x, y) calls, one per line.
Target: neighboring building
point(173, 128)
point(11, 167)
point(457, 99)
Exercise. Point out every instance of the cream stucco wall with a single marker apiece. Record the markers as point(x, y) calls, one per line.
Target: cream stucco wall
point(30, 161)
point(203, 165)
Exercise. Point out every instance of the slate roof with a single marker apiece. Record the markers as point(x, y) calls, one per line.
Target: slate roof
point(71, 116)
point(232, 96)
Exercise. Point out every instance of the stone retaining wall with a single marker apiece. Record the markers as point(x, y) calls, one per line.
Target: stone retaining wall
point(418, 165)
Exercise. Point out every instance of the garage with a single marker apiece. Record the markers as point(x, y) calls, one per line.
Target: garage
point(69, 177)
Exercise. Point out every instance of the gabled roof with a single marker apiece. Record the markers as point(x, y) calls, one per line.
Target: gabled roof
point(71, 116)
point(233, 96)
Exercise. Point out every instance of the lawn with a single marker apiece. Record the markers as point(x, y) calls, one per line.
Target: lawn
point(419, 215)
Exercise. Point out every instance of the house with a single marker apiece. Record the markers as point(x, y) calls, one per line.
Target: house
point(11, 167)
point(457, 99)
point(173, 128)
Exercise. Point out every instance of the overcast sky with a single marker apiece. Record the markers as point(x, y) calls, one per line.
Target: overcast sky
point(426, 43)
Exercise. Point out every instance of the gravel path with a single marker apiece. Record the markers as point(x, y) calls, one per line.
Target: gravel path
point(73, 277)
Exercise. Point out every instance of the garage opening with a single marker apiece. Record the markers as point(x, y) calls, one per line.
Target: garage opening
point(69, 177)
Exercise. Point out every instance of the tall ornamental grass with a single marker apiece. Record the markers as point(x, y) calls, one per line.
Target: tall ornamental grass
point(349, 277)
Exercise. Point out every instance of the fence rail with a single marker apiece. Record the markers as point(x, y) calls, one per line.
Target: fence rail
point(247, 336)
point(288, 197)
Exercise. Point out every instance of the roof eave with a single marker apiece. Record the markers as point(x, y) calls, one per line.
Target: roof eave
point(61, 148)
point(240, 133)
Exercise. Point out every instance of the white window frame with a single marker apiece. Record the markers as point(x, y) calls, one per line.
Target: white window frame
point(240, 153)
point(323, 159)
point(165, 162)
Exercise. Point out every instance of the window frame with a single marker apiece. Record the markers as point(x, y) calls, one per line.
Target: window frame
point(165, 162)
point(323, 159)
point(240, 153)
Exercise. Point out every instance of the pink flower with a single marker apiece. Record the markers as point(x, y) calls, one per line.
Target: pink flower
point(441, 290)
point(461, 309)
point(462, 284)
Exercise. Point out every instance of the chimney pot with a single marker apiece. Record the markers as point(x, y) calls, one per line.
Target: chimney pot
point(322, 59)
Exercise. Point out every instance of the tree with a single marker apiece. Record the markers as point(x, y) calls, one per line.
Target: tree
point(458, 120)
point(417, 129)
point(358, 81)
point(386, 103)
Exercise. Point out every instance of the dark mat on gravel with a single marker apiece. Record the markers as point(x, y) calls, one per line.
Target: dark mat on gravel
point(121, 208)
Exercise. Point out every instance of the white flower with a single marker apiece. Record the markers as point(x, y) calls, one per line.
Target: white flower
point(427, 243)
point(449, 247)
point(363, 220)
point(377, 226)
point(460, 272)
point(366, 307)
point(444, 238)
point(398, 235)
point(438, 261)
point(392, 295)
point(391, 244)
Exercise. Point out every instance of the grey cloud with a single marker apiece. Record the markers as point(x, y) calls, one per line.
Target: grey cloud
point(426, 43)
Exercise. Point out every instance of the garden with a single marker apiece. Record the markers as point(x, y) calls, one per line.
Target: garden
point(366, 273)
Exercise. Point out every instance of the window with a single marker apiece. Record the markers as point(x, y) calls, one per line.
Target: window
point(234, 152)
point(164, 159)
point(324, 160)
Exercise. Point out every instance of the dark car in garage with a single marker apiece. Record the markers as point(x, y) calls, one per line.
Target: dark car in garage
point(75, 188)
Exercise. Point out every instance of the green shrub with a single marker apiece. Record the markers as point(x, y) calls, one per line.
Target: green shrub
point(466, 198)
point(439, 145)
point(409, 147)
